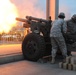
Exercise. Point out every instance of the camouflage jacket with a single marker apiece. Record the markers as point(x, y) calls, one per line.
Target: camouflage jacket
point(57, 27)
point(71, 26)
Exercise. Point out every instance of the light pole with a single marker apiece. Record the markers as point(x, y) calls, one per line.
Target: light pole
point(52, 9)
point(47, 9)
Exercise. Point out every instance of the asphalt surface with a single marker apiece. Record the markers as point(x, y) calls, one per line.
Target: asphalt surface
point(33, 68)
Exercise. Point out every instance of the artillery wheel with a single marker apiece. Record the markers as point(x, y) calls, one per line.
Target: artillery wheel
point(33, 47)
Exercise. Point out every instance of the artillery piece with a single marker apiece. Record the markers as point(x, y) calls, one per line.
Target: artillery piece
point(37, 43)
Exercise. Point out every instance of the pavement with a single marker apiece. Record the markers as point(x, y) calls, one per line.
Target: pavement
point(33, 68)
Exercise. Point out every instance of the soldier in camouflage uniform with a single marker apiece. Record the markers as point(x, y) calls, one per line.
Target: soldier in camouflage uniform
point(57, 39)
point(71, 25)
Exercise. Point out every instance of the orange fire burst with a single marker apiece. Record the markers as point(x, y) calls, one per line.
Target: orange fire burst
point(8, 13)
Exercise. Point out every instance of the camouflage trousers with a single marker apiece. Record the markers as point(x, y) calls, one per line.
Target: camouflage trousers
point(58, 42)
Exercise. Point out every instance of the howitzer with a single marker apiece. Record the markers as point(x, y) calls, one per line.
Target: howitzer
point(26, 22)
point(20, 19)
point(36, 24)
point(30, 18)
point(37, 43)
point(36, 19)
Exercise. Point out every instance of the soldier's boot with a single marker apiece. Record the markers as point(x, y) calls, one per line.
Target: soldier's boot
point(53, 60)
point(64, 58)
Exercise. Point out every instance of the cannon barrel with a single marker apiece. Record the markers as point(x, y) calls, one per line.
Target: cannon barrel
point(36, 19)
point(21, 19)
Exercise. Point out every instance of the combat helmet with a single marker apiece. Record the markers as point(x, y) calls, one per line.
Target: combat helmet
point(74, 18)
point(61, 15)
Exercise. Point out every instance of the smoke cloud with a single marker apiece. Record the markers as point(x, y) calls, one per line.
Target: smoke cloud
point(28, 7)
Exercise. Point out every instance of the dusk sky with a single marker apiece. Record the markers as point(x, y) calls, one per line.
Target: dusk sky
point(67, 6)
point(37, 8)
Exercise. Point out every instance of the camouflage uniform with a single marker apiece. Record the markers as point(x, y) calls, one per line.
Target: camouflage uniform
point(71, 25)
point(57, 39)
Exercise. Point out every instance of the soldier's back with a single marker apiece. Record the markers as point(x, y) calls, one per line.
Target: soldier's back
point(56, 28)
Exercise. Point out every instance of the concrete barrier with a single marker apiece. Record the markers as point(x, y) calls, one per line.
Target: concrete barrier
point(11, 58)
point(70, 63)
point(73, 60)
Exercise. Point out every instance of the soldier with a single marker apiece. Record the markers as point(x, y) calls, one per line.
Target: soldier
point(57, 39)
point(71, 25)
point(71, 29)
point(50, 21)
